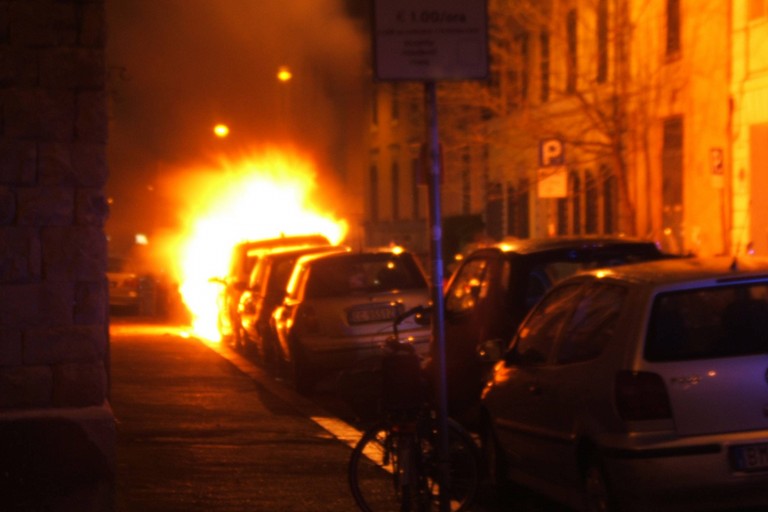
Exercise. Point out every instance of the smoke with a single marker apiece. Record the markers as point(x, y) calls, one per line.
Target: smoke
point(177, 67)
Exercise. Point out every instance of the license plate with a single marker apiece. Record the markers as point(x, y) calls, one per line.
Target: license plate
point(750, 457)
point(370, 315)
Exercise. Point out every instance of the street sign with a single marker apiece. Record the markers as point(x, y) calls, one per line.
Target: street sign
point(552, 174)
point(427, 40)
point(552, 182)
point(551, 152)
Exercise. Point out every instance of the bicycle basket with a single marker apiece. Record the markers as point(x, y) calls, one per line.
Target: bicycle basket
point(402, 386)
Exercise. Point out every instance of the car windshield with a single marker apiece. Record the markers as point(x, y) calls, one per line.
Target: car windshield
point(363, 273)
point(708, 323)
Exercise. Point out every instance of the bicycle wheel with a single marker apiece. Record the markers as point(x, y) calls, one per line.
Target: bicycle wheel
point(393, 470)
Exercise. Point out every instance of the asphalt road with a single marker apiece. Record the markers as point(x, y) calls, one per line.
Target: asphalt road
point(202, 428)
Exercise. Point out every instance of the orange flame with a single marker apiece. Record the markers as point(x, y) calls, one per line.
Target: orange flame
point(264, 195)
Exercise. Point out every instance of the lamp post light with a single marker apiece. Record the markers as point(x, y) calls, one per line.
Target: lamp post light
point(221, 130)
point(284, 77)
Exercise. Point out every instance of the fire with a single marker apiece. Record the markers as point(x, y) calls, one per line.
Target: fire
point(264, 195)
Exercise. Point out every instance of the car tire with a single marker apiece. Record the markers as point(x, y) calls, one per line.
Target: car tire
point(597, 489)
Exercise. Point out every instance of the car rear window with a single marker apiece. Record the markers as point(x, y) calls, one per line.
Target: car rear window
point(708, 323)
point(363, 273)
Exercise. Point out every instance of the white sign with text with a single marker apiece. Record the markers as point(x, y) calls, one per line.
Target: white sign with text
point(430, 40)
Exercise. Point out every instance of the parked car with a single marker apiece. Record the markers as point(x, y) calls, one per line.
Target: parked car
point(123, 285)
point(339, 308)
point(265, 291)
point(490, 293)
point(243, 258)
point(640, 387)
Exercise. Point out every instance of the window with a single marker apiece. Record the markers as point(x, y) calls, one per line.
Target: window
point(466, 181)
point(724, 321)
point(395, 190)
point(518, 70)
point(602, 41)
point(469, 285)
point(562, 216)
point(572, 55)
point(374, 192)
point(511, 209)
point(673, 27)
point(610, 200)
point(544, 48)
point(591, 205)
point(362, 273)
point(494, 207)
point(576, 201)
point(517, 210)
point(592, 324)
point(415, 179)
point(672, 184)
point(536, 337)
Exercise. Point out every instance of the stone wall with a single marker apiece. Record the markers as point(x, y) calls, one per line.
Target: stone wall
point(54, 342)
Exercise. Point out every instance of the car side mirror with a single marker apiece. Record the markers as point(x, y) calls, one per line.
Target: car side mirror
point(490, 351)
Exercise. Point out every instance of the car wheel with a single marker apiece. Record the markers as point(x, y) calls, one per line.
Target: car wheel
point(597, 494)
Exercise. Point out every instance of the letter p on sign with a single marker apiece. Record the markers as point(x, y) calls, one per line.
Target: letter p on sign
point(551, 152)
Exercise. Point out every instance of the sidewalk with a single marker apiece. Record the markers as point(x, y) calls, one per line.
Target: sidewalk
point(195, 433)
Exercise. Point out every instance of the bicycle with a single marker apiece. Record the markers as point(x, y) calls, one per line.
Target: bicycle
point(395, 465)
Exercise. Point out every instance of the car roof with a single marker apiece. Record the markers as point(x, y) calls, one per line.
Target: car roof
point(680, 270)
point(283, 241)
point(351, 254)
point(525, 246)
point(292, 251)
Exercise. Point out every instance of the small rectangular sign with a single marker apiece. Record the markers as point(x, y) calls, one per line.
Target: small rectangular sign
point(553, 182)
point(426, 40)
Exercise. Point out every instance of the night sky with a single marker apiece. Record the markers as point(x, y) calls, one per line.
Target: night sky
point(178, 67)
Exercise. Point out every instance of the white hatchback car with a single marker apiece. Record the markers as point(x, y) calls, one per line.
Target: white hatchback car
point(339, 308)
point(641, 387)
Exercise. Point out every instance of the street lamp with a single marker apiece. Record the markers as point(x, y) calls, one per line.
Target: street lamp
point(284, 74)
point(221, 130)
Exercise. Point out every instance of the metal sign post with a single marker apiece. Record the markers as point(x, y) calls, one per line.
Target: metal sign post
point(430, 40)
point(438, 309)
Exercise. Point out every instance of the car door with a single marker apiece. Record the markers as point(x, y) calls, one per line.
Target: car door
point(576, 380)
point(520, 394)
point(467, 300)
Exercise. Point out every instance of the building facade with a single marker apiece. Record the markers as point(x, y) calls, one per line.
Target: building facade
point(598, 117)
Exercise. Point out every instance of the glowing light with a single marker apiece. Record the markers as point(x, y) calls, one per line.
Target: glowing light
point(141, 239)
point(284, 74)
point(221, 130)
point(262, 196)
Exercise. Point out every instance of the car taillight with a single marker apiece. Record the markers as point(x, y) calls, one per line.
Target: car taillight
point(641, 396)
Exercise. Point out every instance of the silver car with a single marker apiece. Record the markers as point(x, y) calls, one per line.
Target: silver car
point(640, 387)
point(339, 308)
